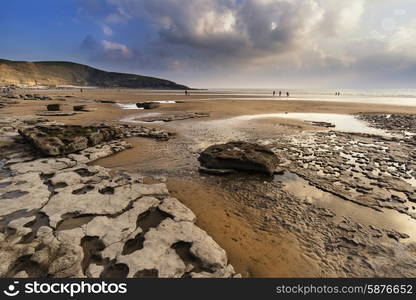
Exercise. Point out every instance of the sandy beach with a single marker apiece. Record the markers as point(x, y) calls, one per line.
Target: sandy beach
point(342, 208)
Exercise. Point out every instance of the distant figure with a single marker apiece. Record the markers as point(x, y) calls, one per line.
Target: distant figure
point(274, 93)
point(339, 94)
point(82, 90)
point(287, 94)
point(186, 93)
point(280, 93)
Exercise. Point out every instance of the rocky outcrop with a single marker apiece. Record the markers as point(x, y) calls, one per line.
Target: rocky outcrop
point(61, 217)
point(241, 156)
point(58, 140)
point(397, 123)
point(34, 97)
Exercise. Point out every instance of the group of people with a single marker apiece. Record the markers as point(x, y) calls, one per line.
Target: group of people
point(337, 94)
point(187, 93)
point(280, 94)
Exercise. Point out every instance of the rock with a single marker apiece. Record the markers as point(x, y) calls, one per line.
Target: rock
point(53, 107)
point(62, 218)
point(241, 156)
point(177, 210)
point(56, 113)
point(106, 101)
point(158, 252)
point(174, 117)
point(322, 124)
point(79, 107)
point(148, 105)
point(59, 140)
point(19, 194)
point(216, 171)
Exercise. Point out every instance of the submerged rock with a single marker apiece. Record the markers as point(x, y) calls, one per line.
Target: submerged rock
point(241, 156)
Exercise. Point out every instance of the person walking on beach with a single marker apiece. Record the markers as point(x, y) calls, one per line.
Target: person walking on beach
point(287, 94)
point(274, 93)
point(280, 93)
point(186, 93)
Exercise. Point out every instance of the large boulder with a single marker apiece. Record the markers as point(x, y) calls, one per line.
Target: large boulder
point(241, 156)
point(56, 140)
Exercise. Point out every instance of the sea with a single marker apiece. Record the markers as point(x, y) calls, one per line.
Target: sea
point(377, 96)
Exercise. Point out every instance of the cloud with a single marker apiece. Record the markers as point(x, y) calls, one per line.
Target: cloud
point(107, 30)
point(276, 38)
point(227, 29)
point(116, 49)
point(106, 51)
point(118, 16)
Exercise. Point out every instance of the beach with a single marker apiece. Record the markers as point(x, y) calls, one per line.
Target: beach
point(342, 207)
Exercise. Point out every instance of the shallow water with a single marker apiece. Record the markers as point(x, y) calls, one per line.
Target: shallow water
point(387, 218)
point(128, 106)
point(134, 106)
point(342, 122)
point(3, 172)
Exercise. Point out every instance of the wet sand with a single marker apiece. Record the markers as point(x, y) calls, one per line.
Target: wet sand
point(257, 246)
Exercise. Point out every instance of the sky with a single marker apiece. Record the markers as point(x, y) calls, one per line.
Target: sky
point(223, 43)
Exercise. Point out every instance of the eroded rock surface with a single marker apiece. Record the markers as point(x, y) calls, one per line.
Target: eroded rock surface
point(64, 139)
point(394, 122)
point(58, 140)
point(60, 217)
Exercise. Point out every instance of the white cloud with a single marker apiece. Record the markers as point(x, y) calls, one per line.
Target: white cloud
point(116, 49)
point(119, 16)
point(107, 30)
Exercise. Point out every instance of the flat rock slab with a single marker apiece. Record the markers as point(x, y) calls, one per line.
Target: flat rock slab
point(240, 156)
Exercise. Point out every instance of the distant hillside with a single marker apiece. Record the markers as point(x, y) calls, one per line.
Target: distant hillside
point(53, 73)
